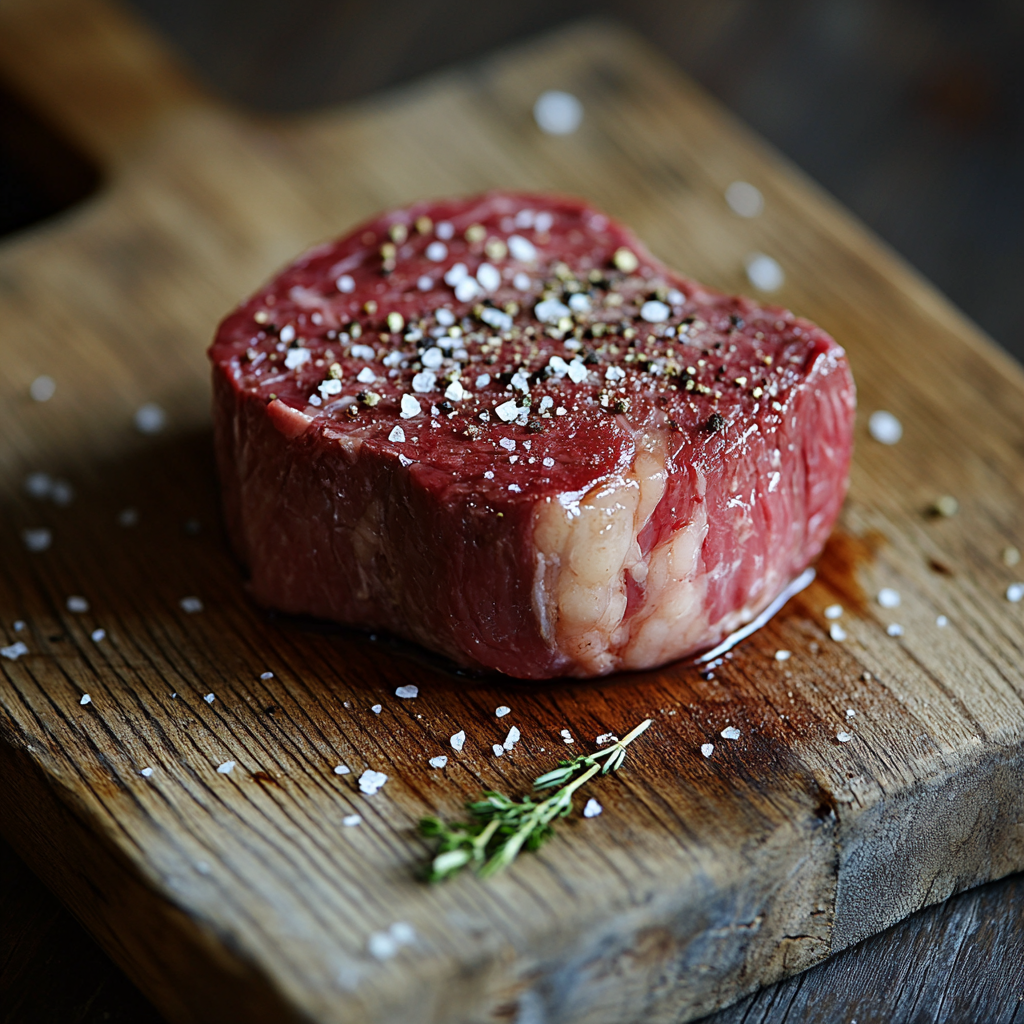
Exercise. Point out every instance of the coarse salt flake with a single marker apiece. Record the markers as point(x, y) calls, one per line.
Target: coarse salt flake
point(467, 289)
point(550, 311)
point(366, 376)
point(410, 407)
point(14, 651)
point(150, 418)
point(557, 113)
point(884, 427)
point(498, 749)
point(436, 251)
point(837, 632)
point(501, 712)
point(97, 635)
point(730, 732)
point(42, 388)
point(296, 357)
point(894, 629)
point(566, 736)
point(225, 768)
point(521, 249)
point(346, 284)
point(37, 539)
point(397, 435)
point(458, 740)
point(455, 392)
point(146, 772)
point(407, 692)
point(521, 282)
point(86, 699)
point(942, 621)
point(592, 809)
point(888, 598)
point(834, 611)
point(707, 749)
point(341, 769)
point(655, 312)
point(783, 655)
point(843, 737)
point(209, 698)
point(744, 199)
point(512, 738)
point(508, 444)
point(370, 781)
point(1015, 592)
point(77, 604)
point(507, 411)
point(350, 820)
point(606, 737)
point(765, 273)
point(438, 762)
point(377, 708)
point(191, 605)
point(488, 276)
point(850, 713)
point(577, 372)
point(266, 675)
point(548, 462)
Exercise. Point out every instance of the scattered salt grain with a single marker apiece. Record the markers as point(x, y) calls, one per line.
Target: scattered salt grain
point(1015, 592)
point(730, 732)
point(366, 376)
point(843, 737)
point(38, 485)
point(191, 605)
point(209, 698)
point(370, 781)
point(884, 427)
point(97, 635)
point(942, 621)
point(410, 407)
point(765, 273)
point(397, 435)
point(498, 749)
point(592, 809)
point(606, 737)
point(128, 517)
point(438, 762)
point(226, 768)
point(488, 276)
point(62, 493)
point(37, 539)
point(146, 772)
point(523, 250)
point(77, 604)
point(707, 749)
point(894, 629)
point(377, 708)
point(42, 388)
point(458, 740)
point(566, 736)
point(850, 713)
point(266, 675)
point(1011, 556)
point(19, 625)
point(947, 506)
point(407, 692)
point(521, 282)
point(888, 598)
point(346, 284)
point(351, 819)
point(86, 699)
point(655, 312)
point(340, 769)
point(150, 418)
point(436, 251)
point(833, 611)
point(296, 357)
point(557, 112)
point(501, 712)
point(837, 632)
point(783, 655)
point(425, 283)
point(512, 738)
point(744, 199)
point(15, 651)
point(384, 945)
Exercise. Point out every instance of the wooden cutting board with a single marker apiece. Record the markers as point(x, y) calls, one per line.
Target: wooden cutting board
point(244, 896)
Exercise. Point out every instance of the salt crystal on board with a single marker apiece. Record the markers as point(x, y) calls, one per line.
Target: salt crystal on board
point(566, 736)
point(593, 809)
point(458, 740)
point(226, 768)
point(834, 611)
point(407, 692)
point(86, 699)
point(501, 712)
point(351, 819)
point(707, 749)
point(146, 772)
point(340, 769)
point(438, 762)
point(843, 737)
point(884, 427)
point(730, 732)
point(370, 781)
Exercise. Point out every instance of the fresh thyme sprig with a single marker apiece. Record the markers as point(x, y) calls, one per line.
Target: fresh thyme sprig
point(501, 827)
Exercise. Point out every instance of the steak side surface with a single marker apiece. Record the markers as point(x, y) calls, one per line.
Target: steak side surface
point(499, 427)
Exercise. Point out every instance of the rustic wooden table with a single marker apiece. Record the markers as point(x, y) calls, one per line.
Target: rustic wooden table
point(243, 894)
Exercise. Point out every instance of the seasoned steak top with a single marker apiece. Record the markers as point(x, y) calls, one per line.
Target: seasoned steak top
point(515, 344)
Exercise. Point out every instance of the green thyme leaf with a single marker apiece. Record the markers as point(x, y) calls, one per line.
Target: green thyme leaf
point(500, 827)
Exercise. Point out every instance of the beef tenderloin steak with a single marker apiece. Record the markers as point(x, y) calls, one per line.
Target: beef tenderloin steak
point(499, 427)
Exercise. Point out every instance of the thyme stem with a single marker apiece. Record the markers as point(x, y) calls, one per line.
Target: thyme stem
point(500, 828)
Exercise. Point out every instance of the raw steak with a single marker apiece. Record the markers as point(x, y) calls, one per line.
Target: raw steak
point(499, 427)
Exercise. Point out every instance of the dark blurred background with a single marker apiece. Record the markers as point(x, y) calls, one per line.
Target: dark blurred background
point(911, 112)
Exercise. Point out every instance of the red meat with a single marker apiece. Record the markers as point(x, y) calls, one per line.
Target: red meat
point(499, 427)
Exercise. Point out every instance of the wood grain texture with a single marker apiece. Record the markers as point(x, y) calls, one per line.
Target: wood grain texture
point(244, 895)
